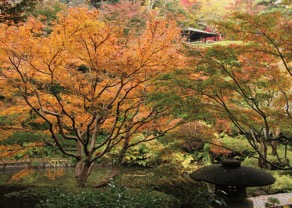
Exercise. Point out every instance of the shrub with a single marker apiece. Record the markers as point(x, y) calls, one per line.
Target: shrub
point(238, 144)
point(283, 182)
point(272, 202)
point(114, 196)
point(23, 137)
point(169, 180)
point(180, 186)
point(250, 162)
point(18, 196)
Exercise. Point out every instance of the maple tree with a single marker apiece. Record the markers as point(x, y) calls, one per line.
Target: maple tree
point(250, 83)
point(194, 135)
point(88, 81)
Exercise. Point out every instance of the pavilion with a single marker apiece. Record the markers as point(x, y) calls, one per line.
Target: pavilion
point(195, 35)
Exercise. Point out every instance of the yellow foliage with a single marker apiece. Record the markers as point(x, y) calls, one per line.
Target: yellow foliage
point(214, 8)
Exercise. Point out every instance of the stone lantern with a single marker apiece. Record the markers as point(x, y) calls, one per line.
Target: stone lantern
point(232, 178)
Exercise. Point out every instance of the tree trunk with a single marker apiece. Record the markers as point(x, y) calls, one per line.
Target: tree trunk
point(82, 171)
point(274, 144)
point(115, 172)
point(123, 151)
point(263, 154)
point(274, 147)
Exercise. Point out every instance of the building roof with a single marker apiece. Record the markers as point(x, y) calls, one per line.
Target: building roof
point(196, 34)
point(200, 31)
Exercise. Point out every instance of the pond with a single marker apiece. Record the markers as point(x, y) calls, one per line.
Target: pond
point(50, 176)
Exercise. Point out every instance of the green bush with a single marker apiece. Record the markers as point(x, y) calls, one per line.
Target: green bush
point(272, 202)
point(238, 143)
point(169, 180)
point(281, 154)
point(250, 162)
point(23, 137)
point(24, 197)
point(180, 186)
point(206, 197)
point(114, 196)
point(8, 120)
point(283, 182)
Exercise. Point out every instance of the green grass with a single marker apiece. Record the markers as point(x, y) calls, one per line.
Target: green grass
point(228, 42)
point(221, 43)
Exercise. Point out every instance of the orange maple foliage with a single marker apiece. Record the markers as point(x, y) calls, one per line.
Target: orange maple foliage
point(9, 151)
point(86, 79)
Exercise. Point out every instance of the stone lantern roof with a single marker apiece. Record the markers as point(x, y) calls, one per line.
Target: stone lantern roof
point(231, 173)
point(232, 178)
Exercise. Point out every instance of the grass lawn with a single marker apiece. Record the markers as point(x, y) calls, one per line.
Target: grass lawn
point(221, 43)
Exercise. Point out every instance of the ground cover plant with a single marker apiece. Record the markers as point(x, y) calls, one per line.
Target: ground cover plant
point(105, 197)
point(134, 187)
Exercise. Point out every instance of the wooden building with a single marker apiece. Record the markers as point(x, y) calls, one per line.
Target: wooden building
point(193, 35)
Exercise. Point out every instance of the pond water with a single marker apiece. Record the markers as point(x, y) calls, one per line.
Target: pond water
point(50, 176)
point(135, 176)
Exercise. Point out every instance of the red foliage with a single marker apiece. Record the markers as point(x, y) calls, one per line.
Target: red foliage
point(187, 3)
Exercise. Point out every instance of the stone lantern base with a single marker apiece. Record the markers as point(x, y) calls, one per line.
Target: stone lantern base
point(240, 204)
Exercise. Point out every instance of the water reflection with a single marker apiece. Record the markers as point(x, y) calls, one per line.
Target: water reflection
point(49, 176)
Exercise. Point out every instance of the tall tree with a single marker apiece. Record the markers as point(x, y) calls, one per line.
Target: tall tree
point(88, 81)
point(250, 83)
